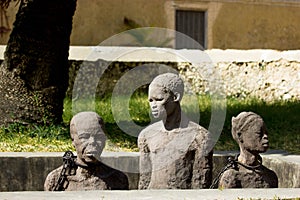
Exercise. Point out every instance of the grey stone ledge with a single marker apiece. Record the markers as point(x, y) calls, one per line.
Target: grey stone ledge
point(202, 194)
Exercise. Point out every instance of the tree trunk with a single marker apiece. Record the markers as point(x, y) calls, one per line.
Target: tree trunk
point(34, 74)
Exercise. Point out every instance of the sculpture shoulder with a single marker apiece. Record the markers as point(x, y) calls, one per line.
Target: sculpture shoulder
point(196, 128)
point(52, 178)
point(201, 134)
point(229, 179)
point(151, 130)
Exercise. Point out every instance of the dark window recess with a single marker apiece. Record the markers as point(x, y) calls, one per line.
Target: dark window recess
point(191, 24)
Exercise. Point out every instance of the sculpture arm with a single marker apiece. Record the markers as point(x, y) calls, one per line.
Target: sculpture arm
point(51, 179)
point(145, 163)
point(229, 180)
point(202, 170)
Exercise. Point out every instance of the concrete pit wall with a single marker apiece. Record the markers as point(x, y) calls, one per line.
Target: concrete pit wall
point(27, 171)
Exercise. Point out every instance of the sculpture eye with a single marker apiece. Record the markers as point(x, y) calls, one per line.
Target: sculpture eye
point(84, 136)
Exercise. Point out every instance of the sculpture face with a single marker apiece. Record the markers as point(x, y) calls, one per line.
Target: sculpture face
point(88, 137)
point(160, 101)
point(89, 146)
point(255, 139)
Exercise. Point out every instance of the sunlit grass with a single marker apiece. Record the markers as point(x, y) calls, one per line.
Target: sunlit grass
point(32, 138)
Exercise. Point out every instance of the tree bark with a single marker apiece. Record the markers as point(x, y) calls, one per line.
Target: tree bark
point(34, 74)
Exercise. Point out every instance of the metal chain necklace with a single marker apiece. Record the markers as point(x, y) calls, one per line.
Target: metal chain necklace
point(232, 164)
point(69, 169)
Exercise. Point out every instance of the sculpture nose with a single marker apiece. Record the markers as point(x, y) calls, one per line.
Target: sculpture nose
point(91, 148)
point(153, 105)
point(265, 137)
point(92, 142)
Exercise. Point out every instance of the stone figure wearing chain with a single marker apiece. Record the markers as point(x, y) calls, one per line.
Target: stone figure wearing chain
point(247, 171)
point(86, 171)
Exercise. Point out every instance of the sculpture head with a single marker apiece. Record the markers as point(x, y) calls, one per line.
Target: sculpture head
point(88, 137)
point(165, 93)
point(250, 132)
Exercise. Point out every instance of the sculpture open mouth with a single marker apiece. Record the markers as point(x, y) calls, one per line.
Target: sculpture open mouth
point(91, 154)
point(266, 144)
point(155, 113)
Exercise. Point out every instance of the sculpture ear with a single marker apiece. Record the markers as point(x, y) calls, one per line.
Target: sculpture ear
point(176, 96)
point(239, 134)
point(234, 121)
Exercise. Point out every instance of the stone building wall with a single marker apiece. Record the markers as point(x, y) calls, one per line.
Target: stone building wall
point(106, 80)
point(265, 74)
point(271, 80)
point(267, 80)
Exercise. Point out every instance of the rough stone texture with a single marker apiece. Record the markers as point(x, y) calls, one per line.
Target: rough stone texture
point(272, 80)
point(23, 173)
point(175, 152)
point(27, 171)
point(100, 177)
point(288, 171)
point(267, 80)
point(249, 130)
point(242, 177)
point(174, 159)
point(87, 133)
point(103, 76)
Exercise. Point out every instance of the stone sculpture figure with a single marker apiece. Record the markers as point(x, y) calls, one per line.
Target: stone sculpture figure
point(88, 137)
point(175, 152)
point(249, 130)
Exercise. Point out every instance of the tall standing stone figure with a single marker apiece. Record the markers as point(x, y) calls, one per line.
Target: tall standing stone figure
point(89, 173)
point(175, 152)
point(249, 130)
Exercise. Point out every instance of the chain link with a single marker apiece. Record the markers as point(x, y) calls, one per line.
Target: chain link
point(69, 169)
point(231, 164)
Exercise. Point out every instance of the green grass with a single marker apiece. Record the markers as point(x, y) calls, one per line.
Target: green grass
point(32, 138)
point(281, 117)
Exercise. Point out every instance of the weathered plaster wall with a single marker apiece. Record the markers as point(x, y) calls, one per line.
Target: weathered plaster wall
point(250, 26)
point(97, 20)
point(238, 24)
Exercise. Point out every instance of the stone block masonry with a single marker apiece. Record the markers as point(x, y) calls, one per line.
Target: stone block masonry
point(264, 74)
